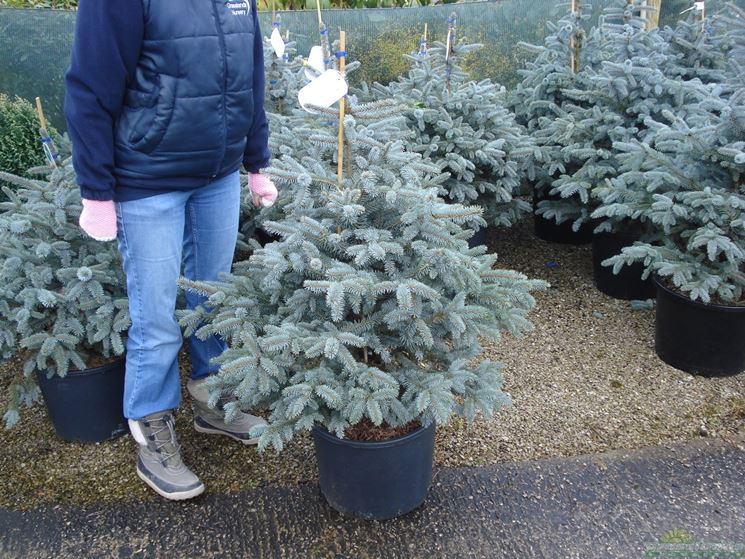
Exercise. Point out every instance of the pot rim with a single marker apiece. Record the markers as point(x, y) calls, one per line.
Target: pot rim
point(372, 445)
point(688, 300)
point(615, 234)
point(121, 360)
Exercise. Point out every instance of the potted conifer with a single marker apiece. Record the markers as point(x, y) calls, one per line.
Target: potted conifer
point(362, 321)
point(63, 309)
point(564, 62)
point(466, 128)
point(652, 72)
point(690, 186)
point(693, 171)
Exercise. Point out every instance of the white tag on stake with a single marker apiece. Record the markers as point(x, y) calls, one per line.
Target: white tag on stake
point(697, 6)
point(316, 62)
point(278, 43)
point(324, 91)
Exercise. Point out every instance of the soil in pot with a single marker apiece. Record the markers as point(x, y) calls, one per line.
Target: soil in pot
point(627, 283)
point(707, 340)
point(375, 479)
point(548, 230)
point(87, 406)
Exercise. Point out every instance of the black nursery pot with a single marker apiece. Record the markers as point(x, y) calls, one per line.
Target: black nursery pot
point(86, 406)
point(628, 283)
point(548, 230)
point(479, 238)
point(263, 237)
point(375, 480)
point(707, 340)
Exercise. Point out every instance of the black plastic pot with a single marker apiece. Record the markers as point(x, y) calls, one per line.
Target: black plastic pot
point(628, 283)
point(479, 238)
point(86, 406)
point(263, 237)
point(375, 480)
point(548, 230)
point(707, 340)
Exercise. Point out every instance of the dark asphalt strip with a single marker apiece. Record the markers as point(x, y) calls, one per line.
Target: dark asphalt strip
point(612, 505)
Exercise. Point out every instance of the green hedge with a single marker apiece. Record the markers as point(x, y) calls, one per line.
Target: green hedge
point(59, 4)
point(20, 147)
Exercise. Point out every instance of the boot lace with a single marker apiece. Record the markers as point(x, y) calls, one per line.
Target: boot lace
point(167, 447)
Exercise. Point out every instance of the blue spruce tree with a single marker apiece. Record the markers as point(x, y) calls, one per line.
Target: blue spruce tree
point(63, 303)
point(687, 179)
point(465, 127)
point(370, 306)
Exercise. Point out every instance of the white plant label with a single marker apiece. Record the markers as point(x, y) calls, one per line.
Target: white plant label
point(278, 43)
point(324, 91)
point(316, 62)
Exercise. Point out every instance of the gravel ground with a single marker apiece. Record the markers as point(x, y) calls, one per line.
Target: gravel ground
point(585, 380)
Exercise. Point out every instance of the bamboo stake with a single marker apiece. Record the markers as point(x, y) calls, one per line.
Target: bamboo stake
point(703, 16)
point(653, 17)
point(324, 39)
point(274, 10)
point(49, 148)
point(40, 113)
point(342, 107)
point(573, 43)
point(449, 48)
point(423, 41)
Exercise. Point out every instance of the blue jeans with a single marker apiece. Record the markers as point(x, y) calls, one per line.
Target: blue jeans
point(199, 226)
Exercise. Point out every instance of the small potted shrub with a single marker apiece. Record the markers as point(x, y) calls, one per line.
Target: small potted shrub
point(63, 309)
point(361, 323)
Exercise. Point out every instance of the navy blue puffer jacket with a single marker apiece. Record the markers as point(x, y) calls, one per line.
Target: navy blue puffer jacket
point(180, 103)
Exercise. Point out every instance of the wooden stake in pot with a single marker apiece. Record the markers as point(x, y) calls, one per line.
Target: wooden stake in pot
point(449, 47)
point(50, 150)
point(573, 43)
point(423, 42)
point(652, 16)
point(342, 56)
point(324, 33)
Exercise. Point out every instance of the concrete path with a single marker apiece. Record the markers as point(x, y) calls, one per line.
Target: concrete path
point(613, 505)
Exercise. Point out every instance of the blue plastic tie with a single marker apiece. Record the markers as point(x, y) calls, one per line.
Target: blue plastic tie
point(273, 82)
point(451, 20)
point(341, 53)
point(276, 24)
point(324, 31)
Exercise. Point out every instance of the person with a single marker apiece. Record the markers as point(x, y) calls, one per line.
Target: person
point(164, 102)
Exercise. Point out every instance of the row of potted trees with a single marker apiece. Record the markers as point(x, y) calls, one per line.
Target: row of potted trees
point(362, 314)
point(644, 130)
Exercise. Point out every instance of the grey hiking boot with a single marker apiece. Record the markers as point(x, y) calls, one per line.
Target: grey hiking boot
point(208, 420)
point(159, 461)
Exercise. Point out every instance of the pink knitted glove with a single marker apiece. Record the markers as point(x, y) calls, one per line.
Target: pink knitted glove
point(263, 190)
point(99, 219)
